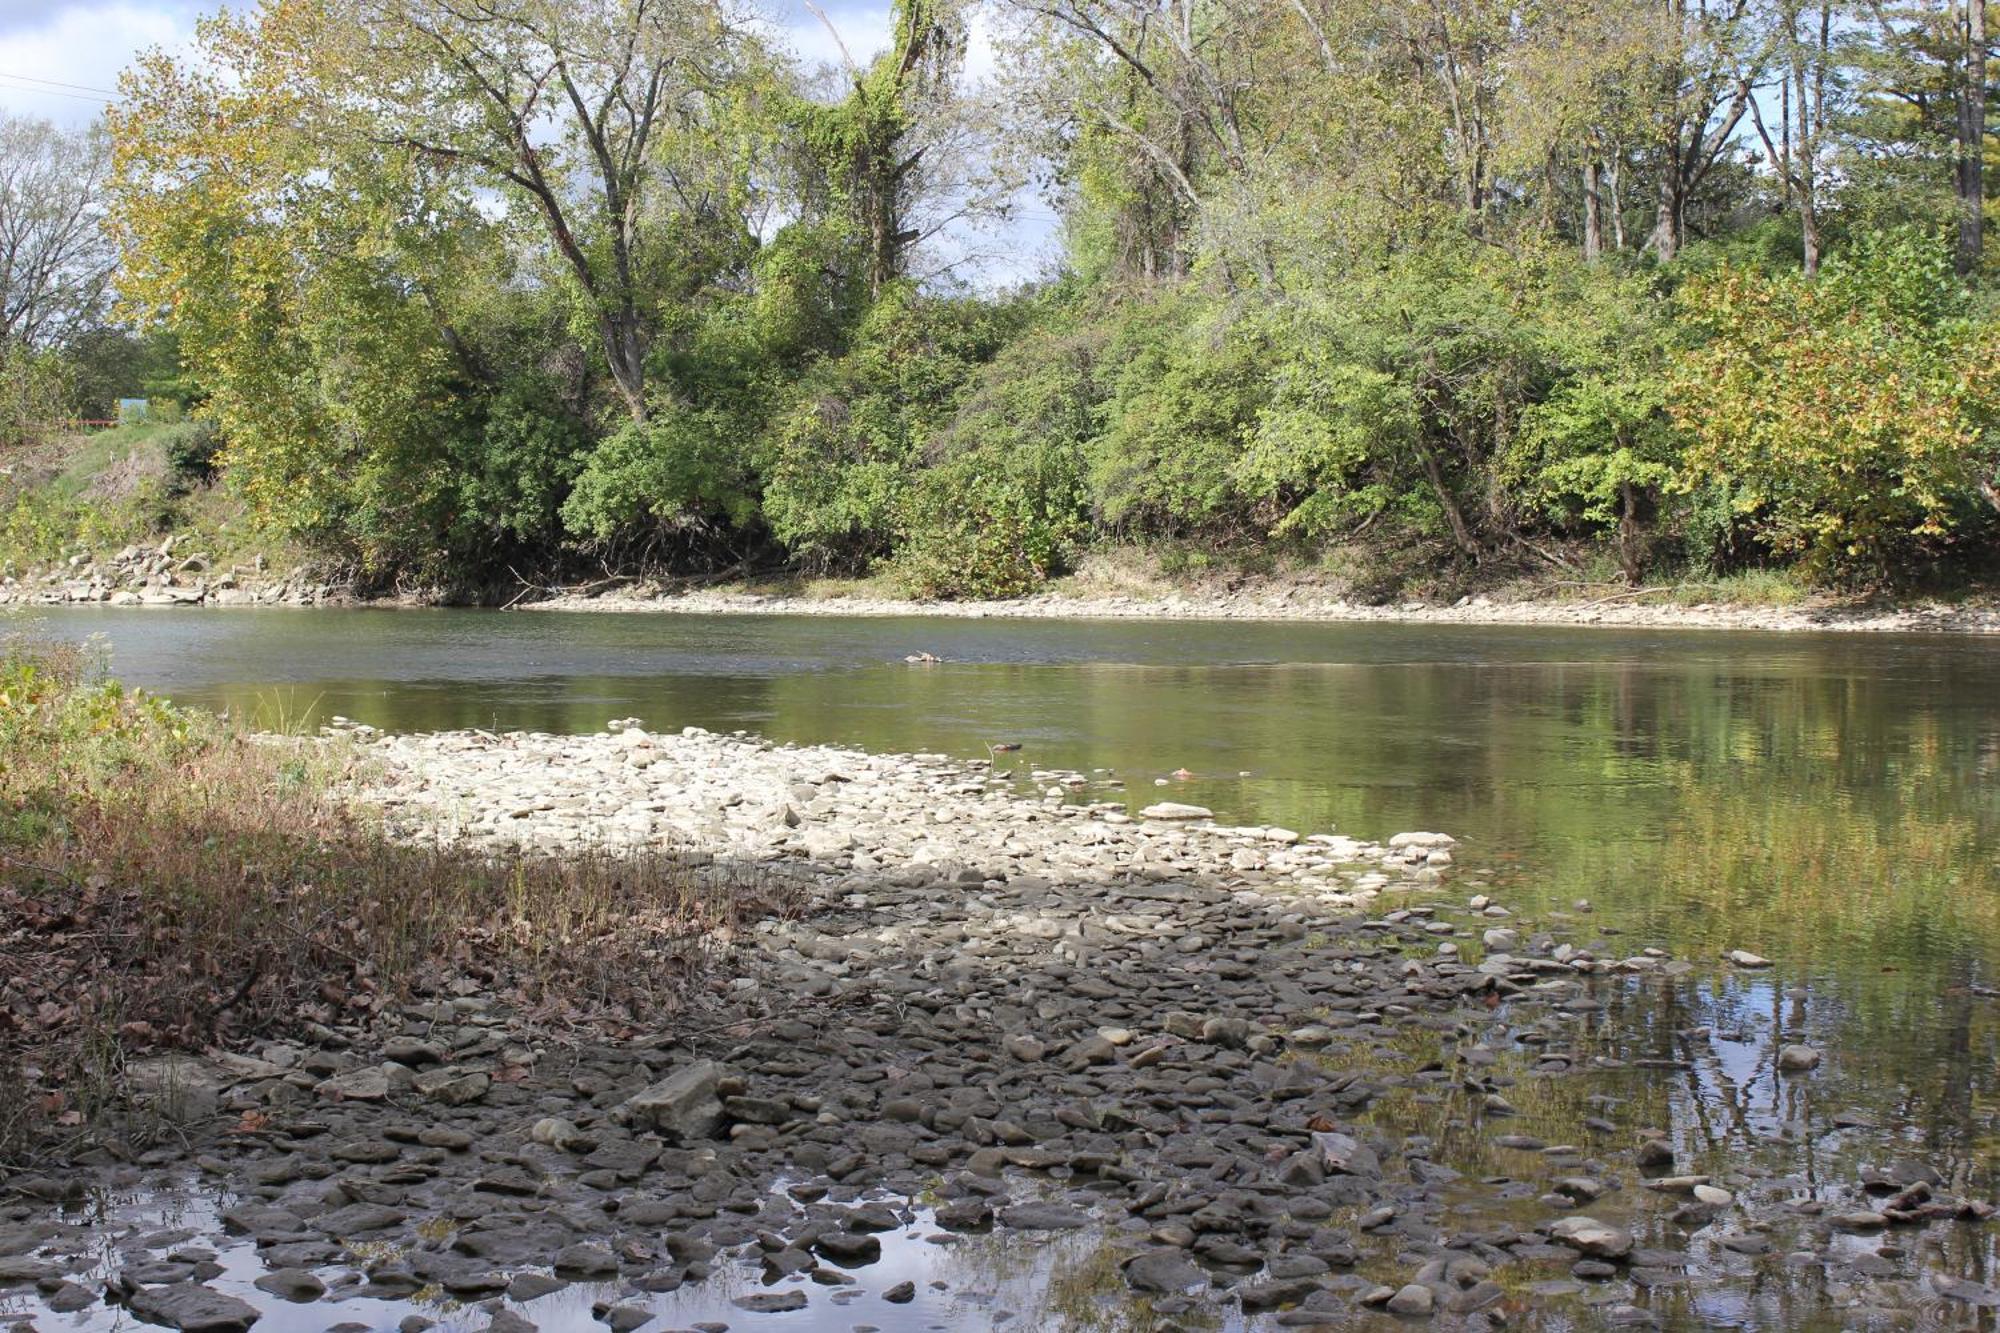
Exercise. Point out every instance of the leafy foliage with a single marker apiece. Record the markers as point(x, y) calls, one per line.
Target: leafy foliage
point(1852, 417)
point(1480, 284)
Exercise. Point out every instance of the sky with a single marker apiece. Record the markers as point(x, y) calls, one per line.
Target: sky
point(59, 59)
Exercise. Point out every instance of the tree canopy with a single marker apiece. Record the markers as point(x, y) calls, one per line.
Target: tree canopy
point(467, 283)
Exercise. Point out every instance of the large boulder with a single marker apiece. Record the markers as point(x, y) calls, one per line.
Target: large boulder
point(684, 1106)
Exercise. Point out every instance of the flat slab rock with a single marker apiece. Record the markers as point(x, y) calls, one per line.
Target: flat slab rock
point(1043, 1217)
point(1587, 1235)
point(193, 1308)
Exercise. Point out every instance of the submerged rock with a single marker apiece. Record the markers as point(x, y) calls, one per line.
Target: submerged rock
point(1797, 1059)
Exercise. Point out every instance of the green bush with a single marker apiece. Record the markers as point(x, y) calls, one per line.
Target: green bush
point(1184, 382)
point(1853, 418)
point(191, 449)
point(677, 466)
point(838, 464)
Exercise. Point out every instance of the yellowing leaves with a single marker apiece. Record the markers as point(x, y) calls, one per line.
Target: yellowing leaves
point(1853, 415)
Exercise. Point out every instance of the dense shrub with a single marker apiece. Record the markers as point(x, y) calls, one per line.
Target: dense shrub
point(837, 464)
point(1853, 419)
point(191, 449)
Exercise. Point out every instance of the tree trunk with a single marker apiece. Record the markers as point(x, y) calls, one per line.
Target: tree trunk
point(1617, 209)
point(1668, 217)
point(1807, 170)
point(1461, 532)
point(1593, 211)
point(1454, 516)
point(625, 357)
point(1971, 147)
point(1631, 546)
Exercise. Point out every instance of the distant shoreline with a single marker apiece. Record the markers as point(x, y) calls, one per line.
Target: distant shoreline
point(1275, 600)
point(1295, 605)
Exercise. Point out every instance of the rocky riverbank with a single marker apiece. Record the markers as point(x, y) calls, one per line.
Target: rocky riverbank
point(166, 576)
point(170, 573)
point(1185, 1075)
point(1297, 602)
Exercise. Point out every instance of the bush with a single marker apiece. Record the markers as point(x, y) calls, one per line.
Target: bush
point(192, 449)
point(973, 533)
point(838, 464)
point(1003, 505)
point(679, 464)
point(1184, 383)
point(1854, 419)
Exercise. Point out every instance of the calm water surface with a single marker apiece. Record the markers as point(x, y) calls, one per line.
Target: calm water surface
point(1829, 801)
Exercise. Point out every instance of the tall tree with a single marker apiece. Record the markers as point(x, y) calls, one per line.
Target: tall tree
point(56, 260)
point(1710, 60)
point(556, 107)
point(872, 150)
point(1804, 37)
point(1971, 92)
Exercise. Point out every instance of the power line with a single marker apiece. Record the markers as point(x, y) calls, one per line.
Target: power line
point(58, 83)
point(51, 92)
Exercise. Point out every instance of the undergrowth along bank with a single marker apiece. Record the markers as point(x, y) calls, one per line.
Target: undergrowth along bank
point(170, 881)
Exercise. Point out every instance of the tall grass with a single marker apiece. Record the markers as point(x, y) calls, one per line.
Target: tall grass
point(169, 881)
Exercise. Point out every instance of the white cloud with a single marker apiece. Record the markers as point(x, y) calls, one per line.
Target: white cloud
point(46, 68)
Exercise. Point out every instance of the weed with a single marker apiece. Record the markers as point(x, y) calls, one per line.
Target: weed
point(168, 881)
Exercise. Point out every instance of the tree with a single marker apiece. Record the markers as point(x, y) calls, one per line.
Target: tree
point(869, 152)
point(1804, 38)
point(1915, 141)
point(1970, 94)
point(558, 106)
point(55, 259)
point(1710, 61)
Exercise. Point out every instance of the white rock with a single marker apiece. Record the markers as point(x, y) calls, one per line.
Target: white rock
point(1176, 810)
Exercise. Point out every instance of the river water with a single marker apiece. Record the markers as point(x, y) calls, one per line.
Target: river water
point(1829, 801)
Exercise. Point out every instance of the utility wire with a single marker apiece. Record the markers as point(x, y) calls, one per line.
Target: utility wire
point(51, 92)
point(58, 83)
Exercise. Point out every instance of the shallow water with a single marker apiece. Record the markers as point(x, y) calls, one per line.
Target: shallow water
point(1829, 801)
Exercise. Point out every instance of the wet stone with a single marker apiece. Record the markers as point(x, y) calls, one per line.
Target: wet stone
point(292, 1284)
point(1164, 1271)
point(193, 1308)
point(1043, 1217)
point(849, 1248)
point(585, 1260)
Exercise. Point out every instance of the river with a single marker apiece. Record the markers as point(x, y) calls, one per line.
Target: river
point(1829, 801)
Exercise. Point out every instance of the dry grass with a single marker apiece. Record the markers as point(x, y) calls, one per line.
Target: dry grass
point(169, 882)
